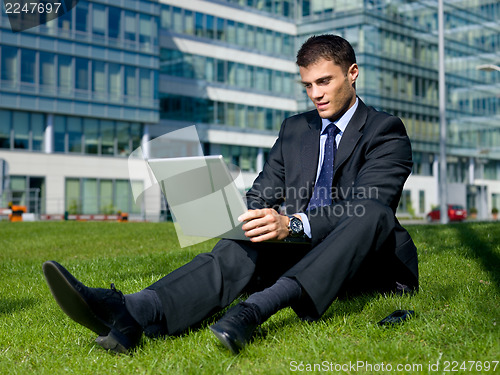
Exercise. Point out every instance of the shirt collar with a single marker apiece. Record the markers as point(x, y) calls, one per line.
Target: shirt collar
point(342, 122)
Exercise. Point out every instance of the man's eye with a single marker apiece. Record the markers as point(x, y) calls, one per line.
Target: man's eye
point(324, 82)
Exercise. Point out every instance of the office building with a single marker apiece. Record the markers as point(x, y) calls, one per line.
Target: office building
point(79, 93)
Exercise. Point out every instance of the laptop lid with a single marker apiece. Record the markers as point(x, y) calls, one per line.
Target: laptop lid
point(202, 195)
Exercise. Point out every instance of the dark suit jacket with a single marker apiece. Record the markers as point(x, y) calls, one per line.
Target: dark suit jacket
point(373, 161)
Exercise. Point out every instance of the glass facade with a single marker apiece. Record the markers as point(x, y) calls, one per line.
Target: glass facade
point(282, 8)
point(237, 75)
point(84, 57)
point(221, 72)
point(237, 34)
point(89, 81)
point(34, 71)
point(199, 110)
point(100, 196)
point(28, 191)
point(396, 46)
point(95, 137)
point(27, 134)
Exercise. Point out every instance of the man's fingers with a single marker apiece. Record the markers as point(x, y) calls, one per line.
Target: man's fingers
point(252, 214)
point(256, 223)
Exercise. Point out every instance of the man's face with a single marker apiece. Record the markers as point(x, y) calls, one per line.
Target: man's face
point(329, 87)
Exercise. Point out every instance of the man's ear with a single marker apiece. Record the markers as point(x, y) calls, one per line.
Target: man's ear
point(353, 73)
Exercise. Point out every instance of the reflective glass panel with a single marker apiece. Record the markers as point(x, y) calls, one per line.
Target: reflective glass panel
point(74, 129)
point(5, 117)
point(21, 130)
point(37, 131)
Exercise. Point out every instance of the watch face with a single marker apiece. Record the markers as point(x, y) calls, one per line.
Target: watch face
point(296, 226)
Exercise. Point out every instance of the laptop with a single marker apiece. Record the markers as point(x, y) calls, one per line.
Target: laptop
point(202, 195)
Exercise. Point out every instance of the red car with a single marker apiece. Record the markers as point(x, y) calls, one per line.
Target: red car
point(455, 213)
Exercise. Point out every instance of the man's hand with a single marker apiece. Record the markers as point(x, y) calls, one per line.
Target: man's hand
point(264, 224)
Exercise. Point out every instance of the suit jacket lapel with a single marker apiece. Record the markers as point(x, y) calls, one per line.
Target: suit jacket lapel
point(310, 151)
point(351, 136)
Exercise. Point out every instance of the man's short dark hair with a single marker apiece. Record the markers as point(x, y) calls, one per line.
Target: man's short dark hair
point(329, 47)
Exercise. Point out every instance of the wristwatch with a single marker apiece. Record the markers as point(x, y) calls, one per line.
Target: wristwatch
point(295, 227)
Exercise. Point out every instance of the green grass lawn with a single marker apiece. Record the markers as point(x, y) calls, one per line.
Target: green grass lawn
point(457, 309)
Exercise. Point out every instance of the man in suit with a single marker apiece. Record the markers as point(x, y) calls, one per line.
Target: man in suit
point(333, 179)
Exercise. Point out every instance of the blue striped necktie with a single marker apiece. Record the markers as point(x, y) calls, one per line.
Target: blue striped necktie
point(322, 194)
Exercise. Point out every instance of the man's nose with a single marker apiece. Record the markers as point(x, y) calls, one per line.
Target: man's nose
point(316, 92)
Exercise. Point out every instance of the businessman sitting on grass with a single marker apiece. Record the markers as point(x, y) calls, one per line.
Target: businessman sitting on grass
point(337, 172)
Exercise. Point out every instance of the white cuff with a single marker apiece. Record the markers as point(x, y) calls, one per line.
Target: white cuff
point(305, 224)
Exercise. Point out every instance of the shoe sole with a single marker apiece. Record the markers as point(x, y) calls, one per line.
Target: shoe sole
point(223, 337)
point(70, 300)
point(111, 342)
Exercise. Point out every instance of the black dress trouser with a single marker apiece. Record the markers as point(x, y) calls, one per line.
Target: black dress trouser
point(357, 255)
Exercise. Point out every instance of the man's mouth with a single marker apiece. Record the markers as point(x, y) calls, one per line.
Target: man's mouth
point(321, 105)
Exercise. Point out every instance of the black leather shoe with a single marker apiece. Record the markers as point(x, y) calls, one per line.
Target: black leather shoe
point(101, 310)
point(235, 329)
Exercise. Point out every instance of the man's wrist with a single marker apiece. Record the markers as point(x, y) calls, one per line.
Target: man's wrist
point(295, 226)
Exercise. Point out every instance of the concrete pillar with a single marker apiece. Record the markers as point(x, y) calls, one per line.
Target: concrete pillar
point(145, 142)
point(472, 167)
point(260, 160)
point(48, 135)
point(435, 172)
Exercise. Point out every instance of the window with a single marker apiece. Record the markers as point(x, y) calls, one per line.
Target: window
point(73, 205)
point(59, 134)
point(18, 190)
point(231, 32)
point(177, 20)
point(89, 196)
point(123, 137)
point(28, 64)
point(405, 202)
point(106, 197)
point(130, 84)
point(199, 24)
point(421, 201)
point(81, 74)
point(37, 131)
point(107, 138)
point(99, 24)
point(145, 87)
point(99, 79)
point(244, 157)
point(114, 82)
point(91, 134)
point(114, 22)
point(122, 195)
point(74, 129)
point(5, 117)
point(10, 64)
point(64, 74)
point(188, 22)
point(145, 31)
point(64, 23)
point(130, 26)
point(240, 115)
point(221, 113)
point(135, 134)
point(240, 34)
point(220, 29)
point(21, 129)
point(82, 15)
point(209, 31)
point(47, 72)
point(166, 16)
